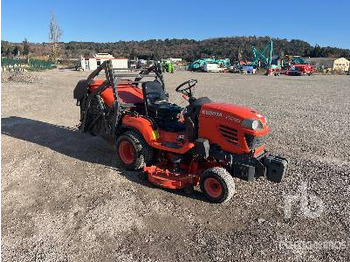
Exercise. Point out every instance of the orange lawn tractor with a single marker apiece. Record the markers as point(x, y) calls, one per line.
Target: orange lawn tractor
point(206, 143)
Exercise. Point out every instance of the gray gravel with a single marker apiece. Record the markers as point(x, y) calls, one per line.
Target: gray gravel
point(63, 198)
point(21, 77)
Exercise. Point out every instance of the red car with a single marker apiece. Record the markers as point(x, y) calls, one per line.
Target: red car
point(299, 66)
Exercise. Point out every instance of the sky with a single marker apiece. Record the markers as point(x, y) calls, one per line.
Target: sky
point(322, 22)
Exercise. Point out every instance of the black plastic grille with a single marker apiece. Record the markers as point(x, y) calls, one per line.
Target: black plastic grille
point(229, 133)
point(254, 142)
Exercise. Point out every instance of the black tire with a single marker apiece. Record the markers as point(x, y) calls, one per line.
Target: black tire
point(224, 181)
point(143, 153)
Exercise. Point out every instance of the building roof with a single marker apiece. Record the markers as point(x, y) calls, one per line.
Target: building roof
point(324, 59)
point(103, 55)
point(327, 62)
point(321, 59)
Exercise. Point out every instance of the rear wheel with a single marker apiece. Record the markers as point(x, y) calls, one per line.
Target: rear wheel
point(217, 185)
point(133, 152)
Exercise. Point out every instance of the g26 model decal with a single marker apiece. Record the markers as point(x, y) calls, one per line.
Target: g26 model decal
point(232, 118)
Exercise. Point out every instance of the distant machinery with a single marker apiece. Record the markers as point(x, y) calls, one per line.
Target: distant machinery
point(266, 59)
point(296, 65)
point(210, 64)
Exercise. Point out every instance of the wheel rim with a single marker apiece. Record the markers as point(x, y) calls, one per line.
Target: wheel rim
point(126, 152)
point(213, 187)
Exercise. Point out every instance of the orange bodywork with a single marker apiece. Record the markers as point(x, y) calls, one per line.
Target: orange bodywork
point(128, 93)
point(216, 120)
point(213, 118)
point(157, 138)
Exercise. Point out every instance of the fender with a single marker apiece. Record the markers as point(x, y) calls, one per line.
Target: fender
point(142, 125)
point(151, 136)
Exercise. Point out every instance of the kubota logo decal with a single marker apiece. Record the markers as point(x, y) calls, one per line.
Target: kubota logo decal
point(212, 113)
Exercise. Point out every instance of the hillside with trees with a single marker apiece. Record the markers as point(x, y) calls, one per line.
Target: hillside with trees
point(232, 47)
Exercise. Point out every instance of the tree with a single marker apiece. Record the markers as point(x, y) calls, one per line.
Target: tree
point(25, 47)
point(55, 34)
point(5, 48)
point(317, 51)
point(16, 50)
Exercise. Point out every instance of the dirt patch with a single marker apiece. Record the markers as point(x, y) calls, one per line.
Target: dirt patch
point(21, 77)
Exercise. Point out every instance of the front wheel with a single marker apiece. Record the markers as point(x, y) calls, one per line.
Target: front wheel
point(133, 153)
point(217, 185)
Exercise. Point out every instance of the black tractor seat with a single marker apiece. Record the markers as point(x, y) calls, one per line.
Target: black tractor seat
point(192, 116)
point(157, 106)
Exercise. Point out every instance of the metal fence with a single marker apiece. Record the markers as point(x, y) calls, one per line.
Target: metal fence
point(11, 64)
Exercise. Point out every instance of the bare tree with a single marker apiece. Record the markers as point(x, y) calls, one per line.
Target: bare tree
point(26, 47)
point(55, 34)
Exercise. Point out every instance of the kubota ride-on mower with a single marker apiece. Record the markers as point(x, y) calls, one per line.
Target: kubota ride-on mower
point(206, 143)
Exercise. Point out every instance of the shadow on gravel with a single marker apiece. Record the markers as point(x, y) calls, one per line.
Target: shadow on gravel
point(72, 143)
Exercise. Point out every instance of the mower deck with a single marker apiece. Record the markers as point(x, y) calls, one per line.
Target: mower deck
point(167, 179)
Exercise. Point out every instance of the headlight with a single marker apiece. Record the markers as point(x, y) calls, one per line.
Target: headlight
point(253, 124)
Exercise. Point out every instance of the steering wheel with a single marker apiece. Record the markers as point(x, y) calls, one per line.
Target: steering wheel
point(185, 87)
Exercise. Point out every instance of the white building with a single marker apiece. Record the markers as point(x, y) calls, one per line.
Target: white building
point(91, 63)
point(175, 60)
point(331, 64)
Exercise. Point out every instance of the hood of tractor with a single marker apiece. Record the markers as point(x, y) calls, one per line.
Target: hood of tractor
point(236, 129)
point(231, 113)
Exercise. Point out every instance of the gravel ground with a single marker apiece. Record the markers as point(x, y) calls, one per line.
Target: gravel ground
point(21, 77)
point(63, 198)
